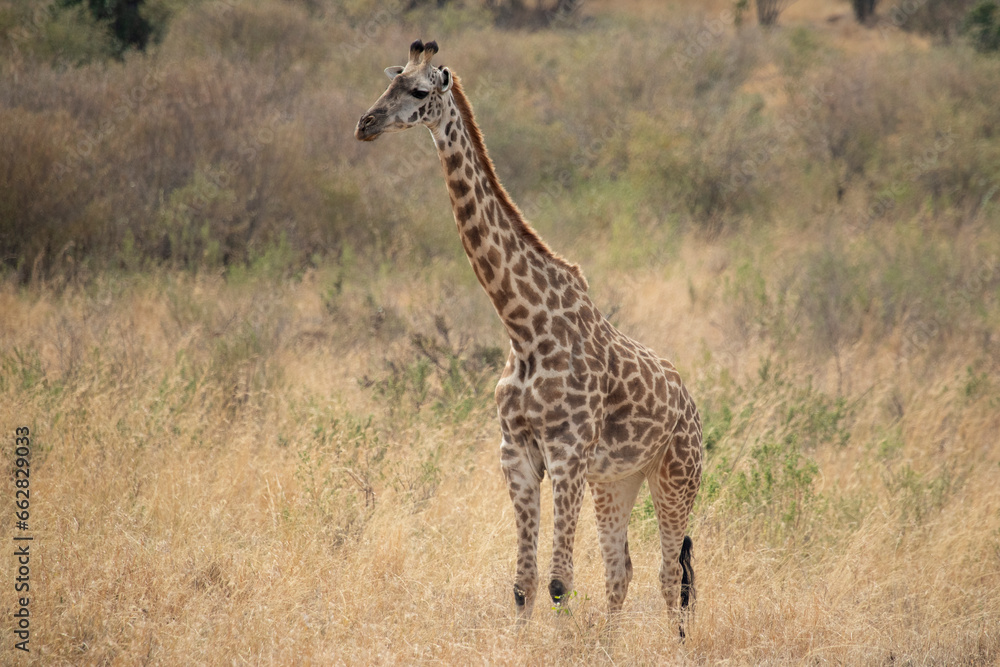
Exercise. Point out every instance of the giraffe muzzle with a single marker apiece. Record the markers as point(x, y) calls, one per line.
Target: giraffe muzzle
point(367, 129)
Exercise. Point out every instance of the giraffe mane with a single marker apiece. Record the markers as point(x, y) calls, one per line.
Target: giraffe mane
point(521, 226)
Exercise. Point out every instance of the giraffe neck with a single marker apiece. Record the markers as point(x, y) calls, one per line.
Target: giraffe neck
point(522, 276)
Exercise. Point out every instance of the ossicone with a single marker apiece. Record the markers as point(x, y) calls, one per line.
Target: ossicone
point(421, 53)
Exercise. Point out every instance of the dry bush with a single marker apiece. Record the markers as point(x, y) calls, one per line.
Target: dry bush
point(942, 18)
point(45, 214)
point(950, 155)
point(52, 32)
point(915, 136)
point(925, 289)
point(854, 110)
point(222, 145)
point(698, 147)
point(768, 11)
point(707, 168)
point(275, 35)
point(193, 162)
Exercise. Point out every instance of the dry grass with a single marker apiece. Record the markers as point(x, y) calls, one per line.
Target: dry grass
point(269, 438)
point(178, 517)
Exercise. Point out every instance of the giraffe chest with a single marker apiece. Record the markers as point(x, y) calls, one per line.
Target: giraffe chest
point(552, 399)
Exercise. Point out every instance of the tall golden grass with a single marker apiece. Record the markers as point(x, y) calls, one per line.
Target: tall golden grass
point(258, 379)
point(208, 488)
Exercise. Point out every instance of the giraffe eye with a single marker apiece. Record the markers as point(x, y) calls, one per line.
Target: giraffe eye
point(419, 94)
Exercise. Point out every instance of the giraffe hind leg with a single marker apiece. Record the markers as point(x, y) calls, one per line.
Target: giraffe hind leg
point(673, 484)
point(613, 506)
point(672, 514)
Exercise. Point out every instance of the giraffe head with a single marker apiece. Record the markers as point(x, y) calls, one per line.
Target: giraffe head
point(414, 96)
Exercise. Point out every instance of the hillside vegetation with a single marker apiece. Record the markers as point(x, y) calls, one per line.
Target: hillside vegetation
point(258, 370)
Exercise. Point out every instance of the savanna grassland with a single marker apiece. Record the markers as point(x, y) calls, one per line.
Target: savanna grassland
point(257, 368)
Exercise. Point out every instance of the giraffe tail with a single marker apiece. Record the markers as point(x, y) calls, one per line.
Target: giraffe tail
point(687, 574)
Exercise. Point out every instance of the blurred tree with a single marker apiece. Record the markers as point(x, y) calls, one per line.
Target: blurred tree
point(768, 11)
point(982, 25)
point(125, 19)
point(415, 4)
point(864, 10)
point(941, 18)
point(515, 12)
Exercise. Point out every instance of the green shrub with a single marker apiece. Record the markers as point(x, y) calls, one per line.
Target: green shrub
point(982, 26)
point(833, 297)
point(241, 361)
point(48, 223)
point(54, 32)
point(918, 496)
point(124, 18)
point(756, 309)
point(22, 370)
point(776, 484)
point(452, 380)
point(942, 18)
point(341, 468)
point(759, 439)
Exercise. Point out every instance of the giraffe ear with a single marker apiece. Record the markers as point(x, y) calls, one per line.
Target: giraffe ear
point(444, 80)
point(393, 72)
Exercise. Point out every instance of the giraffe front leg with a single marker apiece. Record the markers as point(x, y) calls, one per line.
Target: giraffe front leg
point(568, 482)
point(524, 487)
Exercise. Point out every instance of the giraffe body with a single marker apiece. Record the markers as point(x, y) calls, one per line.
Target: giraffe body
point(577, 398)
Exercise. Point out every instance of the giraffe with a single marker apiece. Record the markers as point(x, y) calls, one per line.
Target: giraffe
point(576, 399)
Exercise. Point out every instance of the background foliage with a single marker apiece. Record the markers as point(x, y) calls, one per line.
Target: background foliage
point(258, 369)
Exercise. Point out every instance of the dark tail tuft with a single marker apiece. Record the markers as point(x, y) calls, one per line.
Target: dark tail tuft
point(687, 574)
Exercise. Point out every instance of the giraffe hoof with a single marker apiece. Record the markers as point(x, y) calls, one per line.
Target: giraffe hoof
point(557, 590)
point(519, 597)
